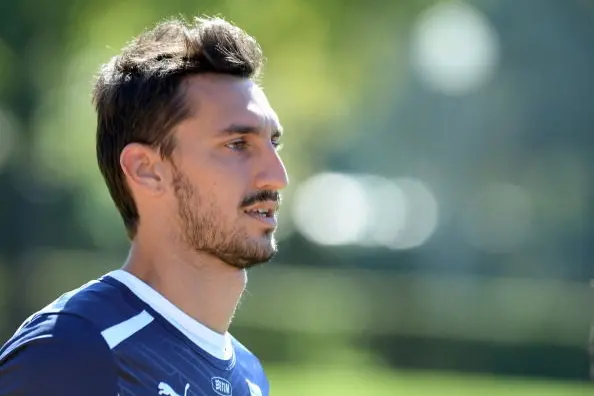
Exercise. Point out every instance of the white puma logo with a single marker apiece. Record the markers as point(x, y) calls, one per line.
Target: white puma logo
point(165, 389)
point(254, 389)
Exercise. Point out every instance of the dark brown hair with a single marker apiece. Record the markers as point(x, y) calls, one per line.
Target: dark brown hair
point(139, 96)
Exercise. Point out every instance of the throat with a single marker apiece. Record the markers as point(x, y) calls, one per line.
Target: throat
point(207, 291)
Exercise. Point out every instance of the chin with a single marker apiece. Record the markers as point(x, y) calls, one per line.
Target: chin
point(250, 262)
point(264, 258)
point(252, 252)
point(263, 252)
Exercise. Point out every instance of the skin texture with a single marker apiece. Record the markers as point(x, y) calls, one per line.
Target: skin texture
point(196, 236)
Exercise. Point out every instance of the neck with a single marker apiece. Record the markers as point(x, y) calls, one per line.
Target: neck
point(202, 286)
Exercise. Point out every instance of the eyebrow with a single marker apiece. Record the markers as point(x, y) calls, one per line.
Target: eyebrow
point(240, 129)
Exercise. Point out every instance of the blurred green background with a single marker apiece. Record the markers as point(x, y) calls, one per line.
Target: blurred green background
point(435, 238)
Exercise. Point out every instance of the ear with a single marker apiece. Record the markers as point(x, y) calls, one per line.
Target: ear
point(143, 168)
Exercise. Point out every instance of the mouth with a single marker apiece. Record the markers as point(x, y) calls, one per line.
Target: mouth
point(263, 211)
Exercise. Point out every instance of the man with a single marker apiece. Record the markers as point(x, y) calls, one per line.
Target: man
point(188, 146)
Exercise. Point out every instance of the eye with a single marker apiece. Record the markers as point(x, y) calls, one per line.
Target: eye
point(237, 145)
point(277, 145)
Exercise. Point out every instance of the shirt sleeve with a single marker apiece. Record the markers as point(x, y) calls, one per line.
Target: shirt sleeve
point(57, 354)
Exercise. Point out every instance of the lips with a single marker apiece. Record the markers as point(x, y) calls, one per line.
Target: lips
point(262, 209)
point(264, 212)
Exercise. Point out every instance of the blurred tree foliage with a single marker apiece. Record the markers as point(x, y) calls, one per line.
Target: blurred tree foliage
point(338, 77)
point(53, 195)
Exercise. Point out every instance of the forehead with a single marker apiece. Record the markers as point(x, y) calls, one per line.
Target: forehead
point(217, 101)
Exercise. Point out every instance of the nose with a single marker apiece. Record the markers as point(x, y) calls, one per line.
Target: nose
point(272, 174)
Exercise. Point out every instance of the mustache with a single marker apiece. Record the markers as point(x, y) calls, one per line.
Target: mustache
point(261, 196)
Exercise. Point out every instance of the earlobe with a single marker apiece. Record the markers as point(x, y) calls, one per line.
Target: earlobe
point(142, 168)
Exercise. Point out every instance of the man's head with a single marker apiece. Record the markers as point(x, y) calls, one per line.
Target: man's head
point(187, 141)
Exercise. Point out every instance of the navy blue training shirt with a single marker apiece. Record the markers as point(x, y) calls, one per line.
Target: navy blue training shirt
point(118, 336)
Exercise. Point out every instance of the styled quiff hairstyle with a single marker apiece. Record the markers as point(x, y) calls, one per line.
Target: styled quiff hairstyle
point(139, 96)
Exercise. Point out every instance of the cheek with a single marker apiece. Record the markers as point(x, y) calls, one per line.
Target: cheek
point(222, 191)
point(221, 164)
point(223, 180)
point(230, 172)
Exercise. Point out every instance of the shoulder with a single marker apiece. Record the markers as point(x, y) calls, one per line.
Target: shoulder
point(67, 347)
point(57, 354)
point(102, 303)
point(252, 365)
point(52, 328)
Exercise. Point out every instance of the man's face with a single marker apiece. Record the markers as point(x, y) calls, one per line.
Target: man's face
point(227, 171)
